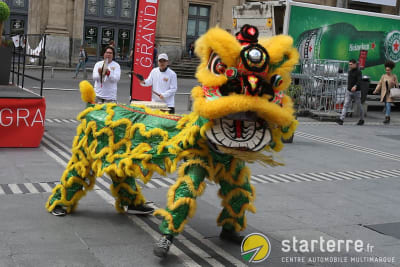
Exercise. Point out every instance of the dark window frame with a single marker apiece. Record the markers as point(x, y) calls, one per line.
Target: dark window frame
point(365, 6)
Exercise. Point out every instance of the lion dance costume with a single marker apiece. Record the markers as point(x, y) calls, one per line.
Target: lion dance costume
point(240, 114)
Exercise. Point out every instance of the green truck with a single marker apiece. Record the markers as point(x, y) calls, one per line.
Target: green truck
point(322, 32)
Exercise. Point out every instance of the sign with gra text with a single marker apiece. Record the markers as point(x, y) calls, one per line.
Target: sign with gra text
point(146, 21)
point(21, 122)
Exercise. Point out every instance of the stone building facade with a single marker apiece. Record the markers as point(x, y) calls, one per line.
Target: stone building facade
point(71, 23)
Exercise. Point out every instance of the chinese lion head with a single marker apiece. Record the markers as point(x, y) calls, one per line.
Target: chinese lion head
point(243, 82)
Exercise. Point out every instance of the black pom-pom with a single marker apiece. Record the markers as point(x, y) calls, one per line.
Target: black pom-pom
point(248, 34)
point(233, 86)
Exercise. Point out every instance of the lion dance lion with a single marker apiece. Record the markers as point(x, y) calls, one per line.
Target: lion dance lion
point(240, 114)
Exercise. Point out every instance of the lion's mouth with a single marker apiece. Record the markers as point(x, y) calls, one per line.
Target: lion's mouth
point(242, 131)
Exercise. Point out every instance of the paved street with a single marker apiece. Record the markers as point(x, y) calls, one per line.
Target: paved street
point(338, 183)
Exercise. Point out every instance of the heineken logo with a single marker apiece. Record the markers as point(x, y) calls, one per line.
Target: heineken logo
point(307, 43)
point(392, 46)
point(358, 47)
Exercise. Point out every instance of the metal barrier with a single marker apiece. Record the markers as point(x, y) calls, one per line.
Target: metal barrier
point(27, 47)
point(323, 85)
point(189, 97)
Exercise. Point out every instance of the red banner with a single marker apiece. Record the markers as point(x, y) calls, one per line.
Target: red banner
point(146, 21)
point(21, 122)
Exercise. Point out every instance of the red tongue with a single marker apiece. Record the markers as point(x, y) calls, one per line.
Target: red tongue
point(238, 126)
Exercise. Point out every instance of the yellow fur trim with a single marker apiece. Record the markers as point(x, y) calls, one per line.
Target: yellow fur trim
point(233, 222)
point(291, 130)
point(234, 193)
point(222, 43)
point(191, 202)
point(279, 46)
point(88, 94)
point(168, 217)
point(227, 175)
point(270, 112)
point(182, 201)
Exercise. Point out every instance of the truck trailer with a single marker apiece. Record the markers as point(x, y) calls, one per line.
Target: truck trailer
point(266, 16)
point(323, 32)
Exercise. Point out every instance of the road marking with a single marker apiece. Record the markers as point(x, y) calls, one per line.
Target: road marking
point(31, 188)
point(55, 147)
point(360, 176)
point(297, 176)
point(61, 120)
point(169, 180)
point(357, 148)
point(46, 187)
point(202, 239)
point(266, 178)
point(104, 183)
point(56, 88)
point(149, 185)
point(345, 123)
point(255, 180)
point(387, 173)
point(280, 178)
point(15, 189)
point(159, 182)
point(46, 148)
point(348, 176)
point(187, 261)
point(316, 177)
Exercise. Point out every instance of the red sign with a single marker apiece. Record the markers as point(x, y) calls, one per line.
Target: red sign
point(146, 21)
point(362, 59)
point(21, 122)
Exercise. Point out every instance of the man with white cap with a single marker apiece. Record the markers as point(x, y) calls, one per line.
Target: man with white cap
point(164, 83)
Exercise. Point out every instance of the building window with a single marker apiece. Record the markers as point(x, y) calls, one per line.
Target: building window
point(106, 21)
point(19, 3)
point(365, 7)
point(91, 40)
point(198, 22)
point(126, 8)
point(109, 8)
point(124, 36)
point(192, 10)
point(204, 11)
point(17, 26)
point(93, 8)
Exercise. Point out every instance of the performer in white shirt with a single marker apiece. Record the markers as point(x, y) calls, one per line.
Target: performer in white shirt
point(164, 83)
point(106, 74)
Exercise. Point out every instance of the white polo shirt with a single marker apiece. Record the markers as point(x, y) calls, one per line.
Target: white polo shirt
point(107, 90)
point(164, 83)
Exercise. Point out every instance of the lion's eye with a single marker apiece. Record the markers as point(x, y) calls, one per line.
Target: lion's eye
point(215, 64)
